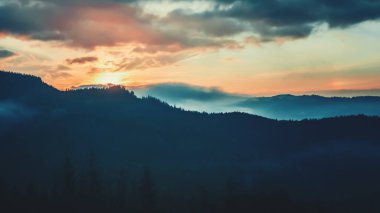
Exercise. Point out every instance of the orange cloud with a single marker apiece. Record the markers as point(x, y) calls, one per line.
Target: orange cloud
point(105, 26)
point(81, 60)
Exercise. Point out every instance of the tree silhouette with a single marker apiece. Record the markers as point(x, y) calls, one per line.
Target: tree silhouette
point(229, 199)
point(121, 190)
point(148, 194)
point(68, 190)
point(204, 200)
point(94, 191)
point(68, 178)
point(3, 192)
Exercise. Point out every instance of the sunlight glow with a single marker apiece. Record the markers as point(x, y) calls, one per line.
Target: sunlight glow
point(110, 78)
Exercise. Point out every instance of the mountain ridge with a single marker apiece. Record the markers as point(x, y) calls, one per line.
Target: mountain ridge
point(35, 86)
point(102, 133)
point(283, 107)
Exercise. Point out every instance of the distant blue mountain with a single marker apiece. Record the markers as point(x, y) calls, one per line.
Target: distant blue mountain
point(283, 107)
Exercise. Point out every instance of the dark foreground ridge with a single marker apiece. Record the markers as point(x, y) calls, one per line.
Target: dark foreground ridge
point(105, 150)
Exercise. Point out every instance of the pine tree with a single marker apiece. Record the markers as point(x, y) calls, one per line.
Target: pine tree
point(148, 196)
point(68, 178)
point(121, 190)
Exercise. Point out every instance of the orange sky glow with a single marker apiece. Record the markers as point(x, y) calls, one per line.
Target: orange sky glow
point(142, 43)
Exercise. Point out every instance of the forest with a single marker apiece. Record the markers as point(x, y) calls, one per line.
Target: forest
point(106, 150)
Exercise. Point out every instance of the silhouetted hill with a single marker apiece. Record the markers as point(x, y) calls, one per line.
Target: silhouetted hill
point(17, 85)
point(105, 150)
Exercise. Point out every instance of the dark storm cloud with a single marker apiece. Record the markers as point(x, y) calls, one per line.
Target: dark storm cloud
point(213, 26)
point(268, 19)
point(295, 18)
point(6, 53)
point(289, 12)
point(24, 20)
point(14, 21)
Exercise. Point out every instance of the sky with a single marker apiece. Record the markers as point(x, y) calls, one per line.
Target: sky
point(256, 47)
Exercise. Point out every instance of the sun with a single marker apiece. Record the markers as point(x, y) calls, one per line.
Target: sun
point(110, 78)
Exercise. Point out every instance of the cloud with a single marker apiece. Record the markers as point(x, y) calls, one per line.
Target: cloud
point(211, 26)
point(181, 92)
point(191, 97)
point(6, 53)
point(270, 20)
point(85, 24)
point(10, 109)
point(295, 18)
point(82, 60)
point(93, 23)
point(12, 113)
point(24, 20)
point(59, 71)
point(89, 26)
point(62, 67)
point(145, 63)
point(161, 40)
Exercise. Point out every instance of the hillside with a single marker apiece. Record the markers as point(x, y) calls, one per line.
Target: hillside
point(105, 150)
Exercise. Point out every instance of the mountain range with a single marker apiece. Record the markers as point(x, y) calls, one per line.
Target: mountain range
point(108, 150)
point(282, 107)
